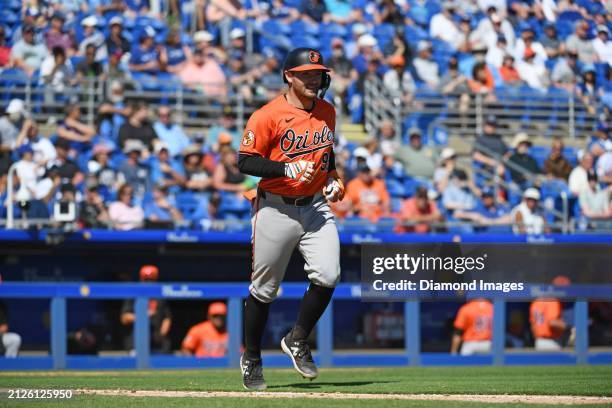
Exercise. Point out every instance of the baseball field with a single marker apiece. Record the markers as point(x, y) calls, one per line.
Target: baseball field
point(372, 387)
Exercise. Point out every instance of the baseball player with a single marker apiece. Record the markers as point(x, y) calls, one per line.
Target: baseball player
point(473, 328)
point(289, 144)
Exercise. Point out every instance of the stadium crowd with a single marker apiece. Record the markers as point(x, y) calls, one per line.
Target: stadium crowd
point(137, 168)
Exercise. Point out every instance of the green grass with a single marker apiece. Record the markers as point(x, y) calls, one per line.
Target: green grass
point(92, 401)
point(550, 380)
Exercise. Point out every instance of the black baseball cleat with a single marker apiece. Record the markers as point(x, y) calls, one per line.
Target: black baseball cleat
point(300, 355)
point(252, 374)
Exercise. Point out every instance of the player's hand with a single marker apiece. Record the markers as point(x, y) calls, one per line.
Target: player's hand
point(302, 170)
point(333, 190)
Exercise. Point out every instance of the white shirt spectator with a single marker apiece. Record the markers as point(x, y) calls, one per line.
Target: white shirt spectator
point(32, 55)
point(428, 71)
point(578, 180)
point(533, 222)
point(534, 75)
point(60, 78)
point(485, 33)
point(125, 218)
point(603, 50)
point(538, 49)
point(445, 29)
point(392, 82)
point(26, 173)
point(44, 150)
point(604, 165)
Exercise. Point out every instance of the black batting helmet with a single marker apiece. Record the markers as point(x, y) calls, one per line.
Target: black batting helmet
point(306, 59)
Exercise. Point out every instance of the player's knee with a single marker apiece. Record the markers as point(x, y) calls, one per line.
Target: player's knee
point(328, 277)
point(265, 294)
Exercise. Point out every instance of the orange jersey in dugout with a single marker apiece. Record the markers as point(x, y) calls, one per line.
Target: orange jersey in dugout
point(541, 313)
point(282, 132)
point(475, 319)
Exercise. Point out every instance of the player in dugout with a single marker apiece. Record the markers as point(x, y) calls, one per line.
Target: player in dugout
point(473, 328)
point(547, 324)
point(208, 338)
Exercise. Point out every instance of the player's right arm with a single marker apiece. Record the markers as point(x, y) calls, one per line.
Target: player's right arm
point(253, 158)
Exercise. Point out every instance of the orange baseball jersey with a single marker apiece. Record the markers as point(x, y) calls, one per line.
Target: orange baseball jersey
point(475, 319)
point(368, 201)
point(205, 341)
point(281, 132)
point(541, 313)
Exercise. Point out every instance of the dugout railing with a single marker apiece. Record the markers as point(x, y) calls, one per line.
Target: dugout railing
point(59, 293)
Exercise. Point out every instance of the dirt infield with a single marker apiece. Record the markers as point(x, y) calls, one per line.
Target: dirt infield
point(501, 399)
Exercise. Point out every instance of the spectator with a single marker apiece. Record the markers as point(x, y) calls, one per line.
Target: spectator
point(509, 73)
point(565, 72)
point(578, 178)
point(366, 51)
point(26, 172)
point(237, 41)
point(420, 210)
point(341, 66)
point(93, 212)
point(399, 46)
point(446, 168)
point(526, 216)
point(136, 173)
point(603, 45)
point(418, 160)
point(373, 159)
point(11, 125)
point(545, 316)
point(57, 74)
point(600, 142)
point(482, 82)
point(390, 13)
point(138, 127)
point(473, 328)
point(368, 195)
point(68, 169)
point(522, 160)
point(93, 37)
point(226, 125)
point(528, 42)
point(123, 213)
point(174, 55)
point(197, 178)
point(204, 74)
point(398, 80)
point(117, 73)
point(604, 168)
point(495, 55)
point(489, 29)
point(550, 40)
point(460, 193)
point(453, 82)
point(490, 147)
point(595, 201)
point(107, 178)
point(209, 338)
point(116, 42)
point(160, 318)
point(55, 36)
point(28, 54)
point(166, 172)
point(589, 90)
point(163, 207)
point(172, 134)
point(556, 165)
point(426, 68)
point(10, 342)
point(444, 27)
point(5, 49)
point(313, 11)
point(88, 69)
point(227, 176)
point(74, 130)
point(42, 146)
point(580, 41)
point(30, 18)
point(145, 57)
point(534, 75)
point(388, 140)
point(487, 212)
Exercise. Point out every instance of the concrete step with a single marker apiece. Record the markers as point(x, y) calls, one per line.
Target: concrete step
point(353, 132)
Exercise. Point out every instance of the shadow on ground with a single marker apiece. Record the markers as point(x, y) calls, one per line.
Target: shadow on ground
point(323, 384)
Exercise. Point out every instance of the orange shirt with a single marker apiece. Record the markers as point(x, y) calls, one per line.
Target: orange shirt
point(541, 313)
point(205, 341)
point(368, 201)
point(475, 319)
point(281, 132)
point(409, 211)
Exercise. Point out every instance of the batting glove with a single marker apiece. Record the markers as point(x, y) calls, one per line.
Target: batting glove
point(301, 170)
point(333, 190)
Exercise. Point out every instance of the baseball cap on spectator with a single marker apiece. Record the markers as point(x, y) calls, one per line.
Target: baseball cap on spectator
point(28, 28)
point(148, 32)
point(225, 138)
point(602, 127)
point(32, 12)
point(587, 68)
point(237, 33)
point(202, 36)
point(217, 308)
point(491, 120)
point(532, 193)
point(15, 106)
point(133, 145)
point(115, 21)
point(101, 148)
point(447, 153)
point(337, 42)
point(520, 137)
point(397, 61)
point(488, 192)
point(367, 40)
point(191, 150)
point(361, 152)
point(23, 149)
point(414, 131)
point(159, 146)
point(58, 16)
point(359, 29)
point(61, 143)
point(423, 45)
point(90, 21)
point(479, 47)
point(602, 29)
point(149, 272)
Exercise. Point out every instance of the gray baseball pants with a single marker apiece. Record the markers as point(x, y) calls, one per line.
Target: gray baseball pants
point(277, 228)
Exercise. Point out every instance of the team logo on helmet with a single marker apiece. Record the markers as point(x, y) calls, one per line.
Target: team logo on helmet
point(314, 57)
point(248, 138)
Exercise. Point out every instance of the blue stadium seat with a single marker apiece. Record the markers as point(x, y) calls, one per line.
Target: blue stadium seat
point(193, 206)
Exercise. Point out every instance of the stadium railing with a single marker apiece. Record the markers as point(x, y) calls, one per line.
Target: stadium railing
point(59, 293)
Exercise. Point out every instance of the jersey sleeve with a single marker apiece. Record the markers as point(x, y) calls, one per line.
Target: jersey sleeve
point(190, 342)
point(257, 136)
point(461, 319)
